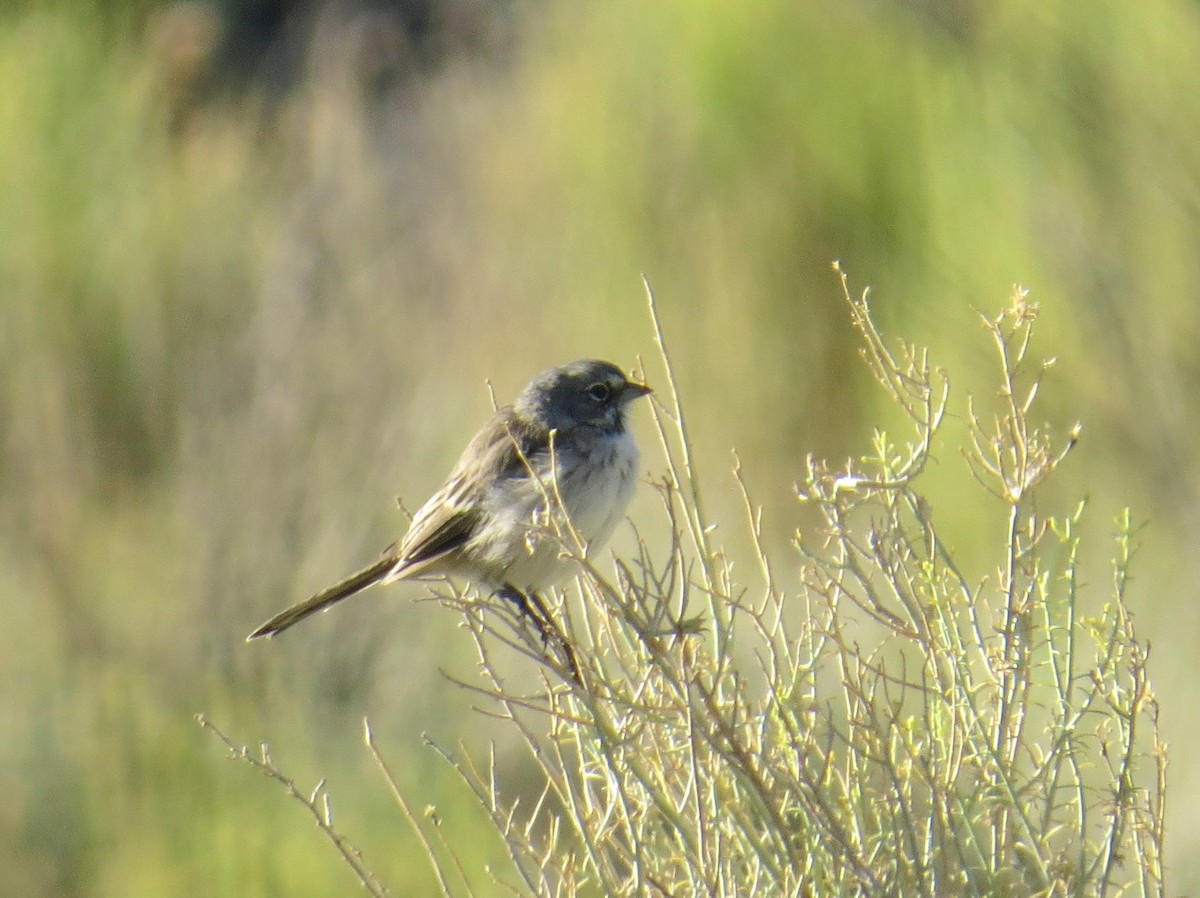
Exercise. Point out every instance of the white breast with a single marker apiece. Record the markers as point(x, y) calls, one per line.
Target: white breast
point(595, 493)
point(596, 497)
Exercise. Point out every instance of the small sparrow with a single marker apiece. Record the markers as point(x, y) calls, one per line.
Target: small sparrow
point(563, 439)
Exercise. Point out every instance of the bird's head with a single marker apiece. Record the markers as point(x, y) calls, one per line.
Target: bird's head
point(587, 392)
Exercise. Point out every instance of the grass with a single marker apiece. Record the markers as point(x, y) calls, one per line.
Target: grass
point(225, 323)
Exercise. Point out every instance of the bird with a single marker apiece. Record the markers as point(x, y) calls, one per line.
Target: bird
point(563, 443)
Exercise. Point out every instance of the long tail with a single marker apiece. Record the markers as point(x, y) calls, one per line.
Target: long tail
point(327, 597)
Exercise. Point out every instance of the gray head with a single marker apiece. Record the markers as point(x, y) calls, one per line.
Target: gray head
point(587, 393)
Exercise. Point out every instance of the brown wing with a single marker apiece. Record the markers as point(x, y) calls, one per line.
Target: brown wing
point(444, 523)
point(452, 515)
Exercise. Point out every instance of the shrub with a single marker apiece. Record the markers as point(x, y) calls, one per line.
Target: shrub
point(886, 724)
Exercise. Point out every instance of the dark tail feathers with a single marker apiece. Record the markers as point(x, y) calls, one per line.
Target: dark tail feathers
point(327, 597)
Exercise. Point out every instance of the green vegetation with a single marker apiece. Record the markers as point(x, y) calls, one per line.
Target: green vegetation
point(235, 319)
point(891, 724)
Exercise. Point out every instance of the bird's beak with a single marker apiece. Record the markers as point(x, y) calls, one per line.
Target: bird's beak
point(632, 391)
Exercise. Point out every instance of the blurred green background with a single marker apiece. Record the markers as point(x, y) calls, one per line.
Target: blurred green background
point(257, 259)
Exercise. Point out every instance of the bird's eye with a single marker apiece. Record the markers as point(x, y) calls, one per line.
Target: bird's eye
point(599, 391)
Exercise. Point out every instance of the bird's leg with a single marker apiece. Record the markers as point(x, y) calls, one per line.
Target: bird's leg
point(532, 608)
point(530, 605)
